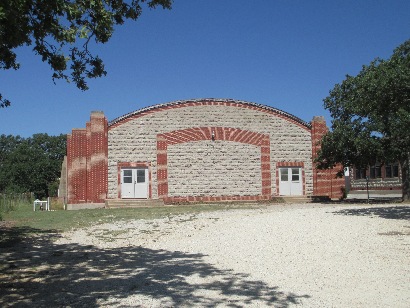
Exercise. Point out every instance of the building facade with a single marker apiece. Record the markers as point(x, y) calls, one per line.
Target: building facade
point(376, 181)
point(197, 150)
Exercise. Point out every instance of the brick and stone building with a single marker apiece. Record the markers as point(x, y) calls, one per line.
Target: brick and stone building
point(197, 150)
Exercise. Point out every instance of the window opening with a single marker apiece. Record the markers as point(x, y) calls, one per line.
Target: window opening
point(295, 174)
point(284, 175)
point(127, 176)
point(375, 172)
point(360, 173)
point(141, 176)
point(392, 170)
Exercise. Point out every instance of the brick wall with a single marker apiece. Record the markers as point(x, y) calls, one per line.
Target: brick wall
point(87, 162)
point(134, 137)
point(76, 166)
point(325, 182)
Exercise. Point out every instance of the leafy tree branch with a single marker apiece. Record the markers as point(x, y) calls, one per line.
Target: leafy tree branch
point(60, 32)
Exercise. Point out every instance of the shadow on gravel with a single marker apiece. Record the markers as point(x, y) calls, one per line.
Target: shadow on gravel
point(397, 212)
point(35, 272)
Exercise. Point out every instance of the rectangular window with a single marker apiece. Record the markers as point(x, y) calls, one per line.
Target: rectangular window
point(127, 176)
point(284, 174)
point(375, 172)
point(140, 176)
point(295, 174)
point(360, 173)
point(392, 170)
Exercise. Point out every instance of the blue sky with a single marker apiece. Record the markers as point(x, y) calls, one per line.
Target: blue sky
point(284, 54)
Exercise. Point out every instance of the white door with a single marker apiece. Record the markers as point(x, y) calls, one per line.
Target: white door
point(141, 183)
point(134, 183)
point(290, 181)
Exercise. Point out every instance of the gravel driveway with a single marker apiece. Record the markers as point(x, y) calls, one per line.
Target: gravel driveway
point(309, 255)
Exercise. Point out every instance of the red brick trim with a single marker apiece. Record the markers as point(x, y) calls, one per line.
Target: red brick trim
point(210, 102)
point(212, 133)
point(290, 165)
point(129, 165)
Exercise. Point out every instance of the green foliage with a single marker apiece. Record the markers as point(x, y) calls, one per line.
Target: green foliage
point(53, 187)
point(60, 32)
point(32, 164)
point(371, 116)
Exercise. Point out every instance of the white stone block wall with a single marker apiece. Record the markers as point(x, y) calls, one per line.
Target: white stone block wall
point(135, 140)
point(218, 168)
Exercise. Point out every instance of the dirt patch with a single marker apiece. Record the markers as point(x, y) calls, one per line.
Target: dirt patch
point(276, 256)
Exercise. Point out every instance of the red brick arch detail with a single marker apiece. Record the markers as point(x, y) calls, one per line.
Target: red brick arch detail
point(211, 134)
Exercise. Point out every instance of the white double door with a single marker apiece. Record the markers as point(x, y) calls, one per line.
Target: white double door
point(134, 183)
point(290, 181)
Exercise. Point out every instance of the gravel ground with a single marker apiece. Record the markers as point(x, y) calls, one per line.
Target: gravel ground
point(281, 256)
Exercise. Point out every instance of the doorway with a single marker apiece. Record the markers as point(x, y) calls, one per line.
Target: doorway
point(290, 181)
point(134, 183)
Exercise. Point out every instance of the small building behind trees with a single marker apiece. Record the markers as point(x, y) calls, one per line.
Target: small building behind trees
point(383, 180)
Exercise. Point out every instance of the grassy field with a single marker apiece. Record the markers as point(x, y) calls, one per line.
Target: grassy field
point(60, 220)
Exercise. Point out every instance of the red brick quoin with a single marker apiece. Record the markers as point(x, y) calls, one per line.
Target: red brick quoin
point(212, 133)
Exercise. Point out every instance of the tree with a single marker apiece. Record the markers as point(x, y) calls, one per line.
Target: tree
point(32, 164)
point(371, 117)
point(60, 31)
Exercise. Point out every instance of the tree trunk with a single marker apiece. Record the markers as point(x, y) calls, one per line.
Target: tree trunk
point(405, 176)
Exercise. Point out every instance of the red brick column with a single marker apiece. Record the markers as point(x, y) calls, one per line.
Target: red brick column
point(77, 166)
point(98, 158)
point(325, 182)
point(87, 161)
point(162, 169)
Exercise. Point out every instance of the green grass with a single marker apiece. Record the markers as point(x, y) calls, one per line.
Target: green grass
point(58, 221)
point(10, 201)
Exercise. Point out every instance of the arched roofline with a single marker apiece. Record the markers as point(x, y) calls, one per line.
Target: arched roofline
point(208, 101)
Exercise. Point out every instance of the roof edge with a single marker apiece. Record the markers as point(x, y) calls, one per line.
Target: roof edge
point(218, 100)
